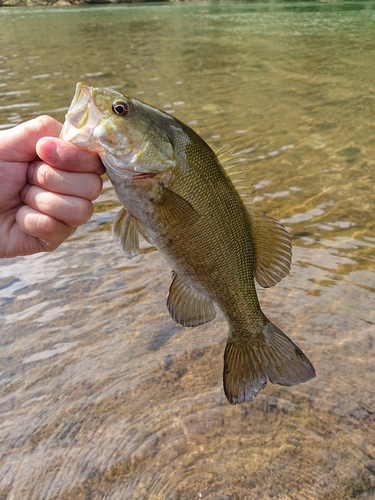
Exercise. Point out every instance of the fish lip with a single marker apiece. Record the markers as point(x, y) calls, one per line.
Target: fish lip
point(80, 88)
point(79, 108)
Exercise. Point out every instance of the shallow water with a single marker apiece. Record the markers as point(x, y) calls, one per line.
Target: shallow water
point(102, 395)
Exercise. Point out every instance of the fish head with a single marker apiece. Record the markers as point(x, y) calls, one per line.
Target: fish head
point(126, 133)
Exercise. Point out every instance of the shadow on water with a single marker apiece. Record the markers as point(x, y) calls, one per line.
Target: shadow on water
point(102, 396)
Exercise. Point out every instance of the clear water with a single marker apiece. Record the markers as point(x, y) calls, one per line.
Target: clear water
point(102, 395)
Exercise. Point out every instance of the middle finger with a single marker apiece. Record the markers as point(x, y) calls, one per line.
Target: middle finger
point(84, 185)
point(71, 210)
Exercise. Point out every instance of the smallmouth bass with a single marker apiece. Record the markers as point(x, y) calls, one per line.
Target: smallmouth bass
point(177, 195)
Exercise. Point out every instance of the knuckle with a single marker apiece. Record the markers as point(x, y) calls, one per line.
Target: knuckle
point(31, 195)
point(94, 187)
point(44, 175)
point(52, 231)
point(82, 211)
point(45, 225)
point(45, 122)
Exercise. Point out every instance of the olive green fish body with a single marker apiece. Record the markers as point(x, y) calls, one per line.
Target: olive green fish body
point(214, 255)
point(178, 196)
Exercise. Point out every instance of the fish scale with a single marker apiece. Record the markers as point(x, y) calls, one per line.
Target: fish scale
point(177, 195)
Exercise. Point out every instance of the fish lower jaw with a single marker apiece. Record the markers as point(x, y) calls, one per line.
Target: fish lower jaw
point(117, 165)
point(125, 166)
point(131, 174)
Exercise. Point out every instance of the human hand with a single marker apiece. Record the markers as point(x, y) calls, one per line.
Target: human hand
point(46, 187)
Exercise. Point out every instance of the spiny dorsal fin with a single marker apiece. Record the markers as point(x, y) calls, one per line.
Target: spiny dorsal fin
point(226, 155)
point(188, 307)
point(237, 170)
point(126, 229)
point(273, 249)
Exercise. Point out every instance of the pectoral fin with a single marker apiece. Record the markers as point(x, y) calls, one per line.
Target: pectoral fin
point(273, 250)
point(126, 229)
point(175, 209)
point(188, 307)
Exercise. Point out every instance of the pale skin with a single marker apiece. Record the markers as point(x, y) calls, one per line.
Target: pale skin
point(46, 187)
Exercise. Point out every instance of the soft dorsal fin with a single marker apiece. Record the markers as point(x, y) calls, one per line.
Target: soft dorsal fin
point(126, 229)
point(273, 249)
point(188, 307)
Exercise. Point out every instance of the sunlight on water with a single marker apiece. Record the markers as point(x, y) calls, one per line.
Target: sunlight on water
point(102, 395)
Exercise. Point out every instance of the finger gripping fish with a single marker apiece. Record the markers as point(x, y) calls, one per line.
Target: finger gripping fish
point(177, 195)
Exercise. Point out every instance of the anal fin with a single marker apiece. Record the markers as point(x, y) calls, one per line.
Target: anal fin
point(188, 307)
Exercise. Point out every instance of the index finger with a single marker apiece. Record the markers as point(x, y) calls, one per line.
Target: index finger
point(66, 156)
point(18, 143)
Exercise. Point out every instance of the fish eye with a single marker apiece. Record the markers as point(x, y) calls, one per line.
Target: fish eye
point(120, 108)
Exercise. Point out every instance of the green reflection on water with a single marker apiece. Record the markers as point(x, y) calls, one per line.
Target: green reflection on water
point(259, 77)
point(291, 86)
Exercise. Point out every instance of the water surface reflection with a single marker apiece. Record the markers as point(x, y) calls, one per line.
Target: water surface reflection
point(102, 395)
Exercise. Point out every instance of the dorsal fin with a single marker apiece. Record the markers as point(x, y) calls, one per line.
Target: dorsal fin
point(273, 249)
point(188, 307)
point(237, 170)
point(126, 229)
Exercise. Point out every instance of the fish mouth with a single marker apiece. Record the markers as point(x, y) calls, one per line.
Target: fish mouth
point(81, 120)
point(144, 175)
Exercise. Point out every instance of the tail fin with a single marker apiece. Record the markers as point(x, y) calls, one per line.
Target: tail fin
point(247, 367)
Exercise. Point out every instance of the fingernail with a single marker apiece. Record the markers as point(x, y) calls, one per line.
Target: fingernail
point(46, 149)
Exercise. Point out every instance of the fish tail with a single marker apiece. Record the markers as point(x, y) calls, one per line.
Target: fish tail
point(248, 366)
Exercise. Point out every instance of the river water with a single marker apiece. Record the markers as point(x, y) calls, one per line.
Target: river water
point(102, 395)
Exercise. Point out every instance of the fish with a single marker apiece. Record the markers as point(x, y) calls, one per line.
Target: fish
point(177, 195)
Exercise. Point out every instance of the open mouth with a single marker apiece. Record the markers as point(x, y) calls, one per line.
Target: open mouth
point(81, 120)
